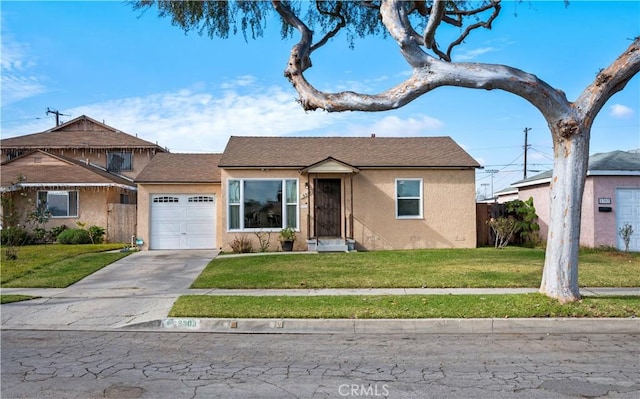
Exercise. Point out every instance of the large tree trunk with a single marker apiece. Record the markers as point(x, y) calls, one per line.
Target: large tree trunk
point(560, 275)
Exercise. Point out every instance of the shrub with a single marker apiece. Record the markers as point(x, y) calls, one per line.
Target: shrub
point(74, 236)
point(96, 233)
point(625, 233)
point(241, 245)
point(55, 232)
point(14, 236)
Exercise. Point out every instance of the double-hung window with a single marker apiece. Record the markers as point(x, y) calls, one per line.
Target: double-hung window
point(59, 203)
point(255, 204)
point(409, 198)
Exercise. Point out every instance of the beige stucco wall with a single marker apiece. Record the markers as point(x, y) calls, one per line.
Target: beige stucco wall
point(92, 207)
point(596, 228)
point(145, 191)
point(449, 209)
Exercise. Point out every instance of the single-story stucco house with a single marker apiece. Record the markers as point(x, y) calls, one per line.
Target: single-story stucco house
point(368, 193)
point(611, 199)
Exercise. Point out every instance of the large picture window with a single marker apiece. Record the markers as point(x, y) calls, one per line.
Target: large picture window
point(59, 203)
point(262, 204)
point(119, 160)
point(409, 198)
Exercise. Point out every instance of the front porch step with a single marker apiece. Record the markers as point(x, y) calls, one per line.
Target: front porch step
point(332, 245)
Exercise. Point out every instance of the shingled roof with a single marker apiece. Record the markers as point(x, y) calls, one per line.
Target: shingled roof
point(68, 173)
point(614, 163)
point(81, 132)
point(181, 168)
point(360, 152)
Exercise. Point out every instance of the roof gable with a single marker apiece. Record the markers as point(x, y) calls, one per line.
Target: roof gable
point(42, 169)
point(614, 163)
point(359, 152)
point(330, 165)
point(82, 132)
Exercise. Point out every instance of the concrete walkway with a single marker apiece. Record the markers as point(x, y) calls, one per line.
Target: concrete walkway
point(137, 292)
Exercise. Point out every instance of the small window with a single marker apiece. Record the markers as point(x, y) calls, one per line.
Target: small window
point(166, 199)
point(125, 199)
point(409, 198)
point(119, 161)
point(201, 198)
point(60, 204)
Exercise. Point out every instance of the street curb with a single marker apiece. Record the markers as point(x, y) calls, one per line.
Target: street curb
point(393, 326)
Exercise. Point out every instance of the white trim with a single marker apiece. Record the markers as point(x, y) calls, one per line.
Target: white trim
point(532, 182)
point(72, 185)
point(613, 173)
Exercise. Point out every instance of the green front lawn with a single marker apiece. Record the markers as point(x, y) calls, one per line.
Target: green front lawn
point(401, 307)
point(510, 267)
point(55, 266)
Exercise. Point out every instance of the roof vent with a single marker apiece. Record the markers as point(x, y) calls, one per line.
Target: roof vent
point(373, 135)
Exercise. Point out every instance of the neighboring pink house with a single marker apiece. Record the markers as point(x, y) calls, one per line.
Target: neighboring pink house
point(611, 199)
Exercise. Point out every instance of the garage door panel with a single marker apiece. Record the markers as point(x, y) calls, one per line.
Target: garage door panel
point(167, 228)
point(199, 212)
point(180, 221)
point(197, 228)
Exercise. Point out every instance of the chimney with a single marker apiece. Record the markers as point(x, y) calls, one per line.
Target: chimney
point(373, 135)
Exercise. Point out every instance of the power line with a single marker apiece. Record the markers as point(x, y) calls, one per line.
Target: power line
point(57, 114)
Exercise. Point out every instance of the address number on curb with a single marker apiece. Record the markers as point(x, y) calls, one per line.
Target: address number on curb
point(192, 324)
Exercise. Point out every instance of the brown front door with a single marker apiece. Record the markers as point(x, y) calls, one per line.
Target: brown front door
point(327, 207)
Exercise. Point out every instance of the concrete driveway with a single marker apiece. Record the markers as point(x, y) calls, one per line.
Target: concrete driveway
point(138, 288)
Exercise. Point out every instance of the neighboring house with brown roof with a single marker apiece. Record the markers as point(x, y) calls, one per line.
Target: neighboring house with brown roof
point(336, 192)
point(611, 199)
point(83, 165)
point(178, 202)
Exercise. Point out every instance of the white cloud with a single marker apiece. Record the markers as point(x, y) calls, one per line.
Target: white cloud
point(620, 111)
point(193, 121)
point(467, 55)
point(394, 126)
point(200, 120)
point(19, 81)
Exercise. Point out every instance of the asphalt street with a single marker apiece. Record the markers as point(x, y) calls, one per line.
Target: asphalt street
point(87, 365)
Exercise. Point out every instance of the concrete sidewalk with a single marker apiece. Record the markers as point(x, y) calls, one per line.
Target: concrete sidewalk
point(138, 291)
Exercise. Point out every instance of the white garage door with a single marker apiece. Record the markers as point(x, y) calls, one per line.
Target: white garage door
point(180, 221)
point(628, 204)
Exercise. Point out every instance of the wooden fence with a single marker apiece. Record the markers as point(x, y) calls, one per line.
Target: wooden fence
point(121, 222)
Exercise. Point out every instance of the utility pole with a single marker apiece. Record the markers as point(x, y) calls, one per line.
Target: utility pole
point(57, 114)
point(526, 147)
point(492, 172)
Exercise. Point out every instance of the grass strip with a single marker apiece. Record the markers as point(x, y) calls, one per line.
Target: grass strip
point(401, 307)
point(15, 298)
point(512, 267)
point(62, 273)
point(31, 257)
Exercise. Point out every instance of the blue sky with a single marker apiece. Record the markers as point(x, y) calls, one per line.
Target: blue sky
point(140, 74)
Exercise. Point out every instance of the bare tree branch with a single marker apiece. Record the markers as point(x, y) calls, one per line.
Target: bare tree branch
point(341, 24)
point(609, 81)
point(482, 24)
point(435, 17)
